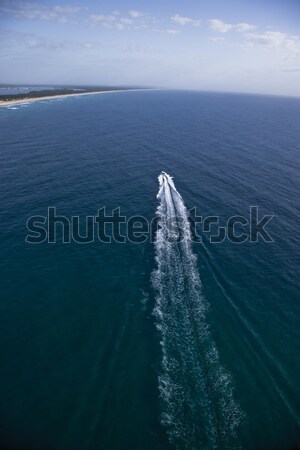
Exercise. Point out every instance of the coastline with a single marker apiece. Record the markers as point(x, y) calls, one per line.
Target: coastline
point(51, 97)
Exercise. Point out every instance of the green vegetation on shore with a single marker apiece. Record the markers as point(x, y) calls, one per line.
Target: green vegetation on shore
point(60, 91)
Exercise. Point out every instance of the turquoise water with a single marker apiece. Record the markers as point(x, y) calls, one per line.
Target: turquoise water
point(84, 360)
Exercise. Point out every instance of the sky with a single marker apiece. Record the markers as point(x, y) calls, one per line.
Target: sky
point(211, 45)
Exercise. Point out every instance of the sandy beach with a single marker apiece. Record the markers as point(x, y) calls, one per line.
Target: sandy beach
point(51, 97)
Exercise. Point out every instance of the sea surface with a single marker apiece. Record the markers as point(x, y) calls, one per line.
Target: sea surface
point(159, 344)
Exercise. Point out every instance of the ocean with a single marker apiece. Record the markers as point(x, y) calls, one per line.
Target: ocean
point(156, 344)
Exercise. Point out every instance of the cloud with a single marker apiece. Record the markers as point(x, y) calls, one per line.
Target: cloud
point(32, 10)
point(126, 21)
point(275, 40)
point(217, 40)
point(135, 20)
point(222, 27)
point(13, 39)
point(244, 27)
point(170, 31)
point(106, 21)
point(290, 70)
point(111, 21)
point(218, 25)
point(181, 20)
point(268, 39)
point(135, 14)
point(166, 31)
point(138, 49)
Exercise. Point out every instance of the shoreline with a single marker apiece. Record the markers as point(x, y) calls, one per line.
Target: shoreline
point(51, 97)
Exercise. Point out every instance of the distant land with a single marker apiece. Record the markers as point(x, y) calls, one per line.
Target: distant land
point(11, 94)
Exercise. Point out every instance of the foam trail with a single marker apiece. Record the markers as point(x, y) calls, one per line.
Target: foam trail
point(198, 407)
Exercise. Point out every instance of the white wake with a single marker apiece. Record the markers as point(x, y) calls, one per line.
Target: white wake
point(198, 407)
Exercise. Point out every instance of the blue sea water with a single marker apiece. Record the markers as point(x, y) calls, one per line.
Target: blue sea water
point(101, 346)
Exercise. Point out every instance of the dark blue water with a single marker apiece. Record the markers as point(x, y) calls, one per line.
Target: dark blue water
point(81, 360)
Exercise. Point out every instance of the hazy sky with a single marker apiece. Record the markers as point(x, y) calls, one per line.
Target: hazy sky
point(237, 45)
